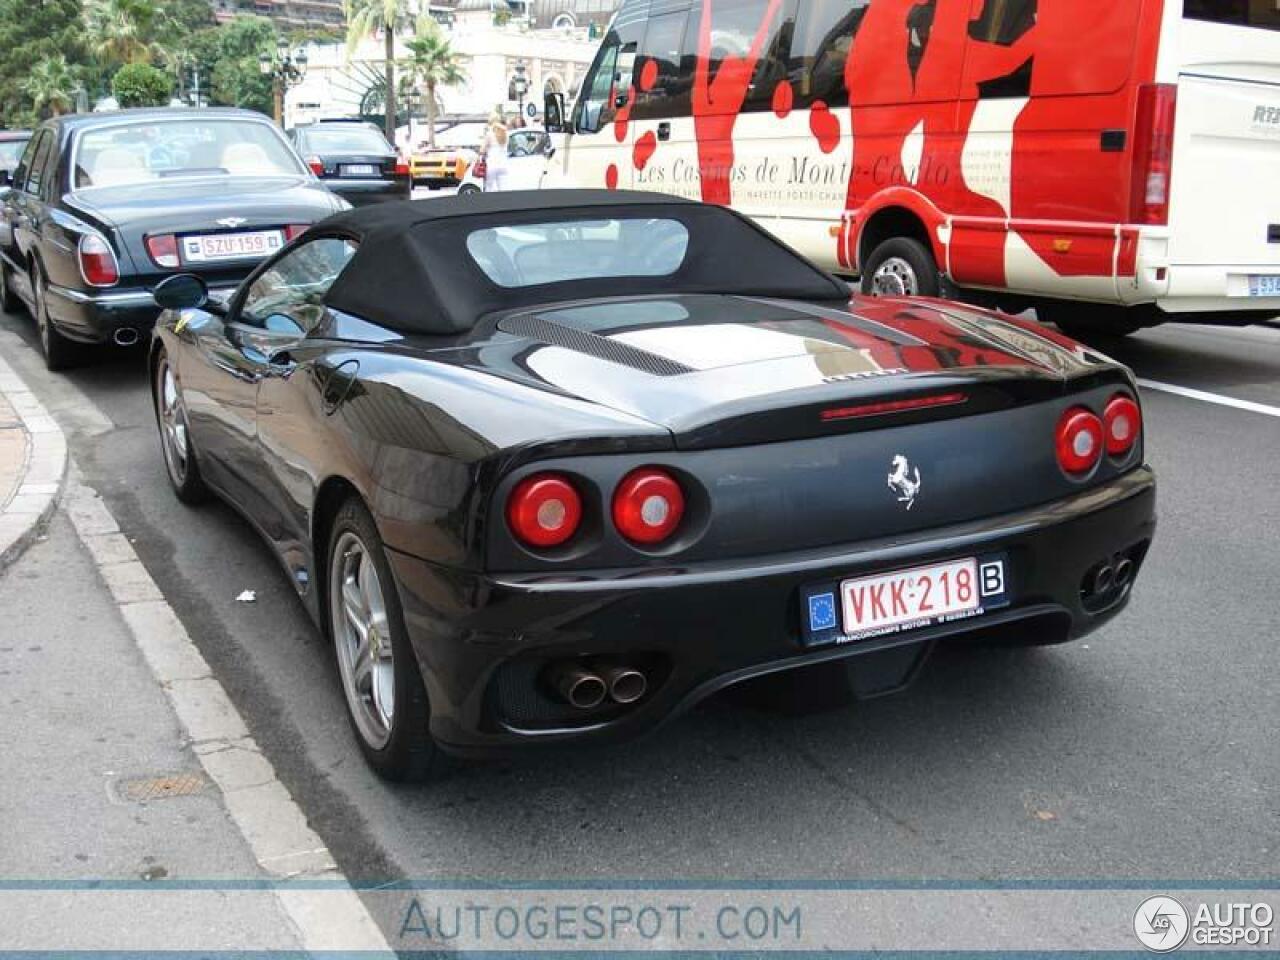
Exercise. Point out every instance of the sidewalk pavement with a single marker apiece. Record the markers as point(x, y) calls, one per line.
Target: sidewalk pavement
point(33, 462)
point(136, 811)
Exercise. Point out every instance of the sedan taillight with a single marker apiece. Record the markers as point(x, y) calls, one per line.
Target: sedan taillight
point(1079, 441)
point(163, 249)
point(316, 165)
point(97, 261)
point(544, 510)
point(647, 506)
point(1121, 422)
point(295, 230)
point(402, 169)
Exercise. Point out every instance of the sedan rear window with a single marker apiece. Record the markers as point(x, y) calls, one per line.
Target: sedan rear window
point(345, 140)
point(129, 153)
point(538, 253)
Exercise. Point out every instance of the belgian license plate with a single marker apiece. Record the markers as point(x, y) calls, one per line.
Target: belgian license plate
point(889, 603)
point(231, 246)
point(1264, 285)
point(359, 170)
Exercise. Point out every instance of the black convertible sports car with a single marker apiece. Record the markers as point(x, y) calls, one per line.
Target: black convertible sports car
point(554, 466)
point(105, 205)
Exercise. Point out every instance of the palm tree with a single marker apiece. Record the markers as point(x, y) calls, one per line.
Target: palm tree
point(433, 62)
point(51, 84)
point(365, 18)
point(119, 31)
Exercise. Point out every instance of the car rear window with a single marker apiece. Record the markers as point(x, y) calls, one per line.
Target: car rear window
point(536, 253)
point(345, 140)
point(127, 153)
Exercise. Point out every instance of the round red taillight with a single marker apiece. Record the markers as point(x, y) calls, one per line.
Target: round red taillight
point(647, 506)
point(1079, 440)
point(1121, 423)
point(544, 510)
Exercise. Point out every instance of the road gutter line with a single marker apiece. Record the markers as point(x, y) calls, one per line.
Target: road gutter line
point(326, 912)
point(1205, 396)
point(41, 475)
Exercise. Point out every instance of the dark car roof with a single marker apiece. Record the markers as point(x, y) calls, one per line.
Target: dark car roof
point(78, 121)
point(412, 273)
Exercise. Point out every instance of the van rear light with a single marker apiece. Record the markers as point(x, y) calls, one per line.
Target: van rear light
point(1121, 422)
point(647, 506)
point(163, 249)
point(1153, 153)
point(544, 510)
point(97, 261)
point(1079, 440)
point(295, 230)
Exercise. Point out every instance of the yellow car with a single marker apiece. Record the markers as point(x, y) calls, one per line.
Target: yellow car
point(441, 167)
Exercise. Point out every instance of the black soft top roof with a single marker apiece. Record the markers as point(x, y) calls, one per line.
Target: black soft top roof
point(412, 271)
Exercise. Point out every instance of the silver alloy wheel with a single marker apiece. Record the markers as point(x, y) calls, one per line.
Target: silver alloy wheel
point(173, 424)
point(895, 278)
point(362, 636)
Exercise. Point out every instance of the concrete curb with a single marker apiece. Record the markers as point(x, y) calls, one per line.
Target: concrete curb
point(40, 478)
point(271, 822)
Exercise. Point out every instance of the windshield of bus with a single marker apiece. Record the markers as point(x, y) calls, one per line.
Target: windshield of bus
point(130, 153)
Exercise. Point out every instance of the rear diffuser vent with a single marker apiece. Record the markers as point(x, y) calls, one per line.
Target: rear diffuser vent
point(593, 345)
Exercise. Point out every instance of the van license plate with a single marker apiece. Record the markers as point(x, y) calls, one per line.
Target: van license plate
point(1267, 285)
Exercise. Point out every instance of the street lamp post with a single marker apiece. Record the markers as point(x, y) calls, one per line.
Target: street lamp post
point(286, 69)
point(520, 84)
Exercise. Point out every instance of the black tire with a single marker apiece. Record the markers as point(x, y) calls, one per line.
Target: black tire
point(408, 752)
point(901, 266)
point(59, 352)
point(1090, 322)
point(468, 190)
point(9, 301)
point(178, 452)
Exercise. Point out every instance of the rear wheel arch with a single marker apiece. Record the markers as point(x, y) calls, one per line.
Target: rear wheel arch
point(889, 222)
point(333, 493)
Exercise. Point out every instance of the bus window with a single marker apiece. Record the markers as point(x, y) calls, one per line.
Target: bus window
point(735, 25)
point(665, 44)
point(1245, 13)
point(1003, 22)
point(607, 88)
point(821, 39)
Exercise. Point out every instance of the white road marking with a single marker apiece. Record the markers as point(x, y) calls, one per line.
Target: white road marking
point(1206, 397)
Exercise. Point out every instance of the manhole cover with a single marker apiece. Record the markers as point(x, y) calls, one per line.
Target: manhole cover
point(160, 788)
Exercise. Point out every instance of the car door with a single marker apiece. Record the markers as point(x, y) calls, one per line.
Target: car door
point(12, 202)
point(527, 152)
point(293, 440)
point(28, 208)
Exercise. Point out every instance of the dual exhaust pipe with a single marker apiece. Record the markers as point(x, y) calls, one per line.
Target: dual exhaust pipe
point(1109, 577)
point(586, 687)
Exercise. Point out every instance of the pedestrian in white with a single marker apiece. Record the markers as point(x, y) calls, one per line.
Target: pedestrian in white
point(495, 155)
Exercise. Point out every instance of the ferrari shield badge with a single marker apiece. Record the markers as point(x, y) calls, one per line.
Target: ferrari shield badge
point(904, 480)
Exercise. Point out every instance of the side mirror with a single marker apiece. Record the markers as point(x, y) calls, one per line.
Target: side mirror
point(182, 291)
point(553, 113)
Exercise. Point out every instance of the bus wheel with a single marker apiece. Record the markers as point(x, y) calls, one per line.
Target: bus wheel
point(1089, 321)
point(901, 267)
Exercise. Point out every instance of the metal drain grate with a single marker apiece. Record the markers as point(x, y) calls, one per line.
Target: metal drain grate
point(161, 788)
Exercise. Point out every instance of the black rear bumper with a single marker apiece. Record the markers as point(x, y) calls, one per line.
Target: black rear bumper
point(483, 642)
point(102, 315)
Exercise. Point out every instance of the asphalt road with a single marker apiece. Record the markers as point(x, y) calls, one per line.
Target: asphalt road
point(1147, 751)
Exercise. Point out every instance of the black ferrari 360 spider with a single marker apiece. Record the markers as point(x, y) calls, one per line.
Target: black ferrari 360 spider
point(555, 466)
